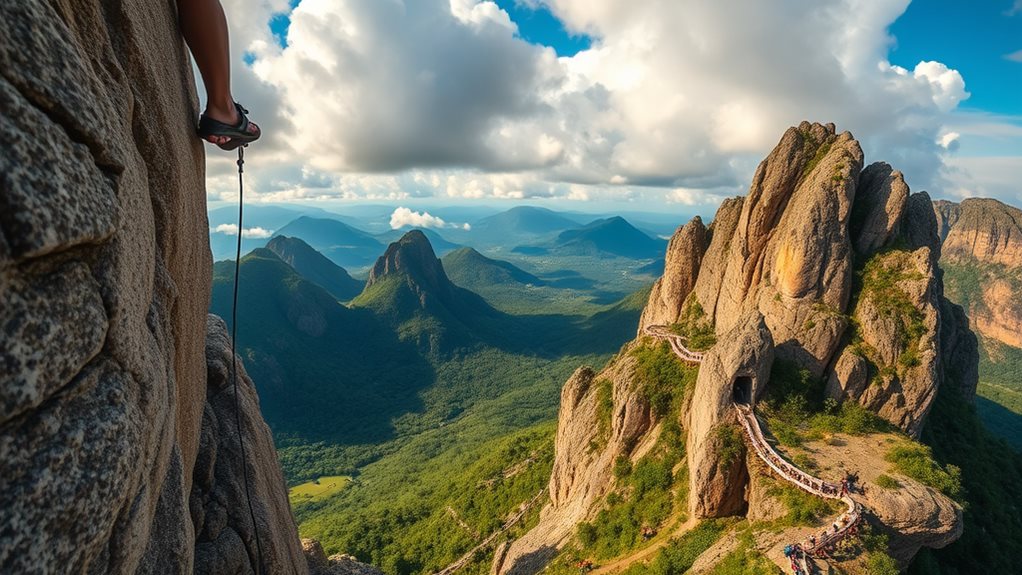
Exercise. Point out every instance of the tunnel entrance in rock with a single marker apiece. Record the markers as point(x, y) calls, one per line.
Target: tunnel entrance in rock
point(742, 390)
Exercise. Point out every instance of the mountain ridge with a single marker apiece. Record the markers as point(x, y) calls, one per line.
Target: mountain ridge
point(315, 267)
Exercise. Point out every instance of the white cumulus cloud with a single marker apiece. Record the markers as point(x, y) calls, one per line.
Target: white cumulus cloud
point(402, 217)
point(386, 99)
point(252, 233)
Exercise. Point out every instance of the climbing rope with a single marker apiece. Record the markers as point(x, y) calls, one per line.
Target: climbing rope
point(234, 358)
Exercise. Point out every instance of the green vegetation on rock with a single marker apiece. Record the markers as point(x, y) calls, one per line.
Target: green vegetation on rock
point(745, 560)
point(680, 553)
point(916, 461)
point(796, 411)
point(886, 481)
point(646, 494)
point(694, 326)
point(662, 377)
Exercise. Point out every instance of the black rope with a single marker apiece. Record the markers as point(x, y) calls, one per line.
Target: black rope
point(234, 357)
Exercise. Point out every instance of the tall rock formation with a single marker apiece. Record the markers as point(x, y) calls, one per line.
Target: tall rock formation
point(225, 536)
point(412, 256)
point(824, 266)
point(582, 476)
point(717, 486)
point(790, 255)
point(681, 269)
point(104, 286)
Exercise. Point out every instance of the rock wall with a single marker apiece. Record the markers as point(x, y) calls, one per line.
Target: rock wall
point(982, 249)
point(717, 487)
point(582, 474)
point(681, 269)
point(104, 286)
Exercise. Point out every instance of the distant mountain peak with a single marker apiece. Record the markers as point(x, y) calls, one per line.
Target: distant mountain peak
point(470, 269)
point(413, 256)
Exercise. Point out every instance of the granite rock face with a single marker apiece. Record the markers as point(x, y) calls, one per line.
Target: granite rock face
point(225, 535)
point(104, 285)
point(899, 327)
point(880, 204)
point(582, 475)
point(982, 253)
point(717, 487)
point(790, 255)
point(681, 268)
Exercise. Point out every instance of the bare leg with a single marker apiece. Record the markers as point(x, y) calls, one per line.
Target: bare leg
point(204, 27)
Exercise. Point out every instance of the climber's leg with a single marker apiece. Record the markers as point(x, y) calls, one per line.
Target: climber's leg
point(204, 27)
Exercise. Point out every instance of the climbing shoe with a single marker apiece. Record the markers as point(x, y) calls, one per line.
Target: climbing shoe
point(237, 135)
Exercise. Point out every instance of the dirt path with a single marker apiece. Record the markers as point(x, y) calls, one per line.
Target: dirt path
point(642, 554)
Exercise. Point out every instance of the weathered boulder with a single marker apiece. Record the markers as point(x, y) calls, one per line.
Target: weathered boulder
point(104, 285)
point(681, 268)
point(225, 534)
point(919, 226)
point(848, 377)
point(914, 516)
point(879, 204)
point(717, 486)
point(337, 564)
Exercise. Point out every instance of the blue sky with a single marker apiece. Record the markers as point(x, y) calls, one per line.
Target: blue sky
point(539, 26)
point(972, 37)
point(659, 104)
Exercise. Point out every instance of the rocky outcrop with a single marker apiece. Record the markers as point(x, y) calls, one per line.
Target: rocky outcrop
point(880, 203)
point(911, 515)
point(104, 286)
point(338, 564)
point(984, 230)
point(728, 371)
point(714, 262)
point(785, 249)
point(584, 458)
point(681, 269)
point(225, 535)
point(897, 317)
point(413, 256)
point(773, 276)
point(982, 253)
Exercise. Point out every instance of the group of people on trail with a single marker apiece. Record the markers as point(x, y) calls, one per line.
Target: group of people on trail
point(846, 524)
